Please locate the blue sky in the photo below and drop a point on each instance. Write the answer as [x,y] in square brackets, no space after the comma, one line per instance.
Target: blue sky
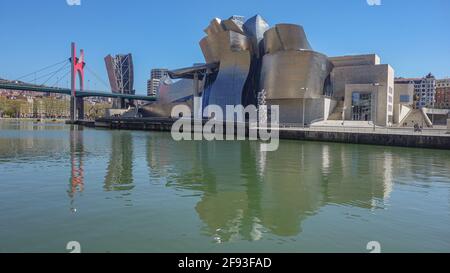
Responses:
[411,35]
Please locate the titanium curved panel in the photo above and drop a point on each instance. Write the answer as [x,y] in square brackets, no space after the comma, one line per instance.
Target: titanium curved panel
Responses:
[255,28]
[177,91]
[170,94]
[228,88]
[294,74]
[215,45]
[214,26]
[285,37]
[232,25]
[161,110]
[235,58]
[208,52]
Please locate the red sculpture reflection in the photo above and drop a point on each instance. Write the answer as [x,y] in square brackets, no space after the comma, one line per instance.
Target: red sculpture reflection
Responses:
[76,160]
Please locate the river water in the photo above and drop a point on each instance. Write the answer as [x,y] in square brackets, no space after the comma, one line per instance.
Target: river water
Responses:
[134,191]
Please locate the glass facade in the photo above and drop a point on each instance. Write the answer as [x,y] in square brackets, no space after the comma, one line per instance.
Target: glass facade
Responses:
[361,106]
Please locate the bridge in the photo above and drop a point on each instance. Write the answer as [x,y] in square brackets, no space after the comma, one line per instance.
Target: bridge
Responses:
[76,66]
[66,91]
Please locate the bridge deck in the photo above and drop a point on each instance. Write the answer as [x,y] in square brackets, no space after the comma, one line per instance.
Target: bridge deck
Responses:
[78,93]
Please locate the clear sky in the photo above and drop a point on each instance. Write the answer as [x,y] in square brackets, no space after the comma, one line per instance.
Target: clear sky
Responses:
[411,35]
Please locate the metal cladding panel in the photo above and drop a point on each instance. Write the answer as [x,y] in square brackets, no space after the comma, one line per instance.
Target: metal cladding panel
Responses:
[228,87]
[216,45]
[213,46]
[170,95]
[161,110]
[255,28]
[208,53]
[285,37]
[234,45]
[215,26]
[232,25]
[237,42]
[294,74]
[233,51]
[175,91]
[189,72]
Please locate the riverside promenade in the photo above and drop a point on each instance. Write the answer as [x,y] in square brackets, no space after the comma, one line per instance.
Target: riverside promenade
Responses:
[434,138]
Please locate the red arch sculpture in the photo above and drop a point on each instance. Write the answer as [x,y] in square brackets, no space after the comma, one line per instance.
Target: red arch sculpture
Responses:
[77,68]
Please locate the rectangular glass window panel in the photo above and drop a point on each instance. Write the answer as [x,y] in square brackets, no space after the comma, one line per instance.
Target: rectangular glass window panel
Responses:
[404,98]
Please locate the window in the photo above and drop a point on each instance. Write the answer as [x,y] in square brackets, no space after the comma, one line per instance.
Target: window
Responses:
[404,98]
[361,106]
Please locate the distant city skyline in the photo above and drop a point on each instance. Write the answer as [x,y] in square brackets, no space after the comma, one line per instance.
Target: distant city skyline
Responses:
[409,35]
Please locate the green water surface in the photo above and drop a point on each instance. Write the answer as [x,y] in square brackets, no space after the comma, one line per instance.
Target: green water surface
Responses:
[133,191]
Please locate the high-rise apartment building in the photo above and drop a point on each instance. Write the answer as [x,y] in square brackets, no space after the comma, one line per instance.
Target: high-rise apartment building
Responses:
[155,78]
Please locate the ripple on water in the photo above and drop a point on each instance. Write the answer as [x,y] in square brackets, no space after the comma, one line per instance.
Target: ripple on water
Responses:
[141,187]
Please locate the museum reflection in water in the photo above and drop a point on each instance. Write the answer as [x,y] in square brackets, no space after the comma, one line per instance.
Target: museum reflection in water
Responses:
[244,192]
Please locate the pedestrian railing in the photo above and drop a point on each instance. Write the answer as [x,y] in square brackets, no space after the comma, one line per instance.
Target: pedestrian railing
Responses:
[367,129]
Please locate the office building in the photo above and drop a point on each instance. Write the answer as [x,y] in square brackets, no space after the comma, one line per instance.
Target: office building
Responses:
[121,77]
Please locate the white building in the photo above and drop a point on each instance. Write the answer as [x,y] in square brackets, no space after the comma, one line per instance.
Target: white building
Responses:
[155,78]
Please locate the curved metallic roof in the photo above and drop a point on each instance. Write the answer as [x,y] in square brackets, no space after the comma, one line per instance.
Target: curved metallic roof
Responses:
[285,37]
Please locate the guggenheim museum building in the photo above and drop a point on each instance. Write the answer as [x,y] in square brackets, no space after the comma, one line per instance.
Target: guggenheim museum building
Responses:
[249,62]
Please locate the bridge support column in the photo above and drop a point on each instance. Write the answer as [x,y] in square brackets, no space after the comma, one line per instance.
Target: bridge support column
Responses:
[72,108]
[80,108]
[76,108]
[77,69]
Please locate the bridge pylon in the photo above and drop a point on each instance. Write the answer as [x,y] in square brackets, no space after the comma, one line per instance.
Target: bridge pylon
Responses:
[77,70]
